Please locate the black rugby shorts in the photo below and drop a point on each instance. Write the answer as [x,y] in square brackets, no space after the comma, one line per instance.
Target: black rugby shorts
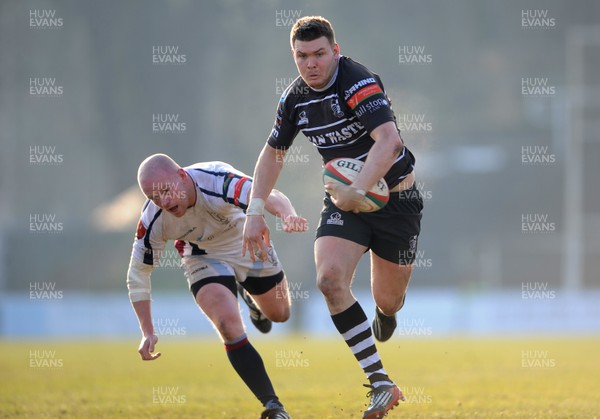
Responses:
[391,233]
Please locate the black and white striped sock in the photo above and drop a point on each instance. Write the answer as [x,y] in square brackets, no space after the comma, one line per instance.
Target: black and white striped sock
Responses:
[356,331]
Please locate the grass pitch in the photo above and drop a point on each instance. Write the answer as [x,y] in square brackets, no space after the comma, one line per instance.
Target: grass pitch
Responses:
[315,378]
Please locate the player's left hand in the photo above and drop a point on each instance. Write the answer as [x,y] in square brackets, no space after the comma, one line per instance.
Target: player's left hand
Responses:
[294,224]
[344,197]
[146,348]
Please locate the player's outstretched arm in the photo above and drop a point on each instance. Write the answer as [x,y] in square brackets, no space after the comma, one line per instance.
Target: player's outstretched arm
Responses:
[149,339]
[138,285]
[280,206]
[256,232]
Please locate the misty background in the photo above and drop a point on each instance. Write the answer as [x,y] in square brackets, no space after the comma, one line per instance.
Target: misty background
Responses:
[498,100]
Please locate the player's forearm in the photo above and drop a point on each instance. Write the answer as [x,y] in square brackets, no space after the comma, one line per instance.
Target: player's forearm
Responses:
[266,172]
[143,312]
[382,155]
[279,205]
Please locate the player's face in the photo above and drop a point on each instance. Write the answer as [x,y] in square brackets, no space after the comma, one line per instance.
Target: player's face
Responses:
[168,193]
[316,61]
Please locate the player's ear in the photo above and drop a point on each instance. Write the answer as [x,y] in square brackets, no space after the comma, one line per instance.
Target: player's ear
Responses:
[181,173]
[336,50]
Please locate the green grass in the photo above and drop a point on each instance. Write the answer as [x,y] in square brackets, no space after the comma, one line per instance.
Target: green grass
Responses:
[314,378]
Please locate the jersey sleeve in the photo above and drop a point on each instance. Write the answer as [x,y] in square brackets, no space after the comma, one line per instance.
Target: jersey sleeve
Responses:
[366,98]
[222,184]
[147,247]
[236,189]
[284,129]
[148,243]
[138,281]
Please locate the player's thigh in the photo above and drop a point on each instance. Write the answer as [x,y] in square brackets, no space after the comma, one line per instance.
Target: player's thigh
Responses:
[389,281]
[220,305]
[271,294]
[393,248]
[336,259]
[342,238]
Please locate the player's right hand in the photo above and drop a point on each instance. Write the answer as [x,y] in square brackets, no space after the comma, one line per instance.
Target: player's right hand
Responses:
[147,347]
[344,197]
[256,237]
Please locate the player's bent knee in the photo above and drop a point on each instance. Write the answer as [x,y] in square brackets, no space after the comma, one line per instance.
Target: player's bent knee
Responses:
[389,304]
[388,310]
[277,313]
[280,316]
[229,333]
[228,326]
[331,286]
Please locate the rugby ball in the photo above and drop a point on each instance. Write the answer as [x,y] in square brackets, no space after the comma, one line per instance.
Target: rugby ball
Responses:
[344,171]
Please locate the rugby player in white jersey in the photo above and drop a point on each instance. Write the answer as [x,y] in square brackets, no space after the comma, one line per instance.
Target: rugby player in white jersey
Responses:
[202,207]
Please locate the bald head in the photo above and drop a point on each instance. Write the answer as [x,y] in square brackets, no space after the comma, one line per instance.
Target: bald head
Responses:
[166,184]
[156,168]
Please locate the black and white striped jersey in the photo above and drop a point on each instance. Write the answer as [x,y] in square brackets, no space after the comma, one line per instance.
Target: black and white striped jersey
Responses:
[339,119]
[214,225]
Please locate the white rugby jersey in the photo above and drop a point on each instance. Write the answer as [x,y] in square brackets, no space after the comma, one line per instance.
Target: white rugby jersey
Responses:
[214,225]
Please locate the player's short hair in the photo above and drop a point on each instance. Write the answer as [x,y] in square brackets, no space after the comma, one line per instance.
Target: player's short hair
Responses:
[309,28]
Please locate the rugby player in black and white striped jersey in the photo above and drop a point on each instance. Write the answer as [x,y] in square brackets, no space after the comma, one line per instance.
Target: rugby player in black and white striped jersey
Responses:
[342,109]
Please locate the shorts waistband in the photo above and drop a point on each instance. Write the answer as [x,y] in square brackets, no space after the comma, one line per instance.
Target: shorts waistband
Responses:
[407,183]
